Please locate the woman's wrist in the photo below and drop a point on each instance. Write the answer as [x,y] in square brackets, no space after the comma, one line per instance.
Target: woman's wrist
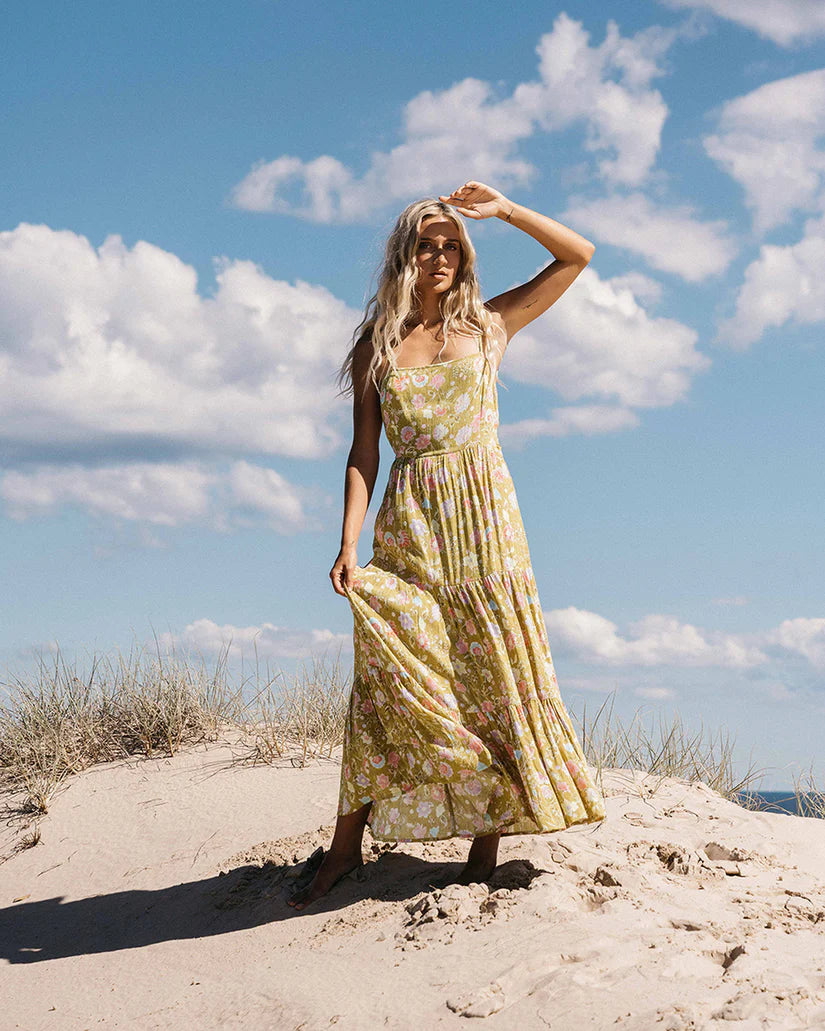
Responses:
[506,210]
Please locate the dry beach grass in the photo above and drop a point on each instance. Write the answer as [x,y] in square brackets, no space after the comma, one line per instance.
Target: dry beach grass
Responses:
[62,719]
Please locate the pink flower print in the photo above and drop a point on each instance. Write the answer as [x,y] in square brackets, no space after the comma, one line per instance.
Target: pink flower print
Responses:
[487,705]
[463,434]
[473,787]
[462,646]
[439,432]
[377,761]
[438,542]
[439,410]
[394,814]
[403,539]
[476,648]
[510,640]
[423,640]
[508,532]
[437,380]
[406,621]
[419,831]
[367,706]
[394,759]
[470,627]
[419,379]
[424,809]
[422,441]
[460,688]
[476,745]
[418,401]
[389,540]
[461,402]
[445,769]
[407,434]
[389,517]
[383,781]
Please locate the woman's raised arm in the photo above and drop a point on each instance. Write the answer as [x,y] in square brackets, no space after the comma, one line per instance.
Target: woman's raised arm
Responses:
[572,252]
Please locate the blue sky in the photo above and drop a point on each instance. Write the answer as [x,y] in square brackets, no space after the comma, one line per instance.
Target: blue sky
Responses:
[194,202]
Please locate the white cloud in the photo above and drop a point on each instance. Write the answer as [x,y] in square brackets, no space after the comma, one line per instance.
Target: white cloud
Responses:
[781,21]
[464,130]
[806,637]
[784,284]
[600,342]
[656,640]
[113,352]
[672,238]
[164,494]
[770,142]
[270,641]
[585,419]
[662,640]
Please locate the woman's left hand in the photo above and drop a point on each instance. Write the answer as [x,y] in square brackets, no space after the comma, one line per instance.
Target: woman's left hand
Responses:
[477,200]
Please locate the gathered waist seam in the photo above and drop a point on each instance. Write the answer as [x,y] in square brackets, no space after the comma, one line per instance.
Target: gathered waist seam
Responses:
[473,445]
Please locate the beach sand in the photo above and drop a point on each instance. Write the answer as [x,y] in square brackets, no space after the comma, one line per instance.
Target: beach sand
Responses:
[156,899]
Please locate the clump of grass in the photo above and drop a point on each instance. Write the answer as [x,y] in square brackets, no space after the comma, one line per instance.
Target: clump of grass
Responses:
[57,722]
[671,751]
[303,720]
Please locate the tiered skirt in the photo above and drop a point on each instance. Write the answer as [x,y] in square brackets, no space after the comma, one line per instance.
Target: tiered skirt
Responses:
[456,726]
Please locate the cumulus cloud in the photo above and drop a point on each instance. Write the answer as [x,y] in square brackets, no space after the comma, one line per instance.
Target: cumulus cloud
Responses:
[112,352]
[771,142]
[662,640]
[805,637]
[466,130]
[564,421]
[165,494]
[782,21]
[672,239]
[783,284]
[270,641]
[601,343]
[656,640]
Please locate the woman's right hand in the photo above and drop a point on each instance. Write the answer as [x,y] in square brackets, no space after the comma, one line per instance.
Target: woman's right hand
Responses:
[344,569]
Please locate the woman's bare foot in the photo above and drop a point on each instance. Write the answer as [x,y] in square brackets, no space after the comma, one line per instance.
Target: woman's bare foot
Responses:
[333,867]
[481,862]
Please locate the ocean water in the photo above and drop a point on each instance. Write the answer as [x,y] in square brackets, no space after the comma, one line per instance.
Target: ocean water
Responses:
[782,802]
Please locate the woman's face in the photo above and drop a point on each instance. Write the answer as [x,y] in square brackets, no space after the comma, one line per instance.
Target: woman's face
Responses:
[438,254]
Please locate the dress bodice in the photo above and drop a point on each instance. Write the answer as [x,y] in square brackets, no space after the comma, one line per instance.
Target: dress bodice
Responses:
[433,409]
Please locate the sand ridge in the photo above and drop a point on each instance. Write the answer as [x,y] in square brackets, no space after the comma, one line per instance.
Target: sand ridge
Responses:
[156,898]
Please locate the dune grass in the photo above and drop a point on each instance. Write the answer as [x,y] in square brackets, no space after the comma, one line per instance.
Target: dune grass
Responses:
[60,720]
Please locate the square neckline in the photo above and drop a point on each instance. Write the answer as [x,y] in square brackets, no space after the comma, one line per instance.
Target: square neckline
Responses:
[431,365]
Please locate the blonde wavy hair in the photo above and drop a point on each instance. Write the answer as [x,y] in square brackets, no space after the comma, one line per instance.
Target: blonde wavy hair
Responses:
[392,310]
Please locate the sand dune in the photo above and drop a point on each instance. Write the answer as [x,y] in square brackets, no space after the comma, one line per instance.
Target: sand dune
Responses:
[156,899]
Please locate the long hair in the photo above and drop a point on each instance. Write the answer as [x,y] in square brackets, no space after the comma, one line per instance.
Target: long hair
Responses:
[393,309]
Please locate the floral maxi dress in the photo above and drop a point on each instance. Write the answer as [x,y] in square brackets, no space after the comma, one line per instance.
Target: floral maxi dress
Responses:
[455,725]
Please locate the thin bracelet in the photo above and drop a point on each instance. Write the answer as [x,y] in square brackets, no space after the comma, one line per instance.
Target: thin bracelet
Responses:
[510,215]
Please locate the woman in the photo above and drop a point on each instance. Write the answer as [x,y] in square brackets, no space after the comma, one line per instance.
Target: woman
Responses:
[456,726]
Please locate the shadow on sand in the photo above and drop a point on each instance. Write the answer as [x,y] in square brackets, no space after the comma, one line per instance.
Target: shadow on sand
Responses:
[245,897]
